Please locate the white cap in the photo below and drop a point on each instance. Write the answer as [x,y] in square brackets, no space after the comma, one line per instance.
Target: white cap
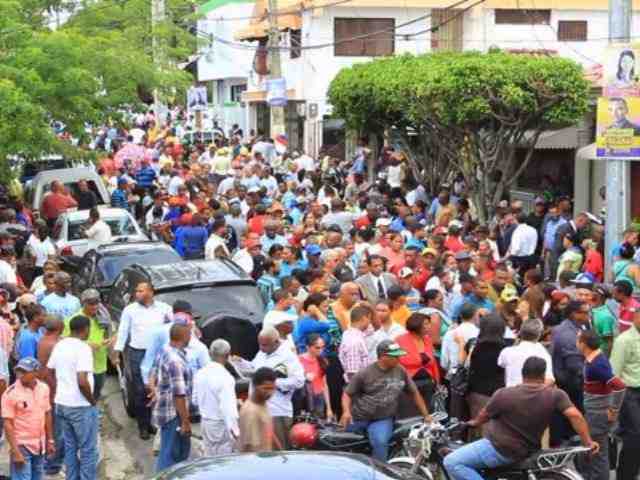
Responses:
[383,222]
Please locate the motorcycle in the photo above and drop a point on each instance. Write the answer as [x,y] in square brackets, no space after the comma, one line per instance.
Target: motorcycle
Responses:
[312,433]
[428,443]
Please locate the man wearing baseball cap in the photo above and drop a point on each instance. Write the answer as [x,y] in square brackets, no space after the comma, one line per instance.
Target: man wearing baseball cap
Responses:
[26,411]
[370,401]
[99,336]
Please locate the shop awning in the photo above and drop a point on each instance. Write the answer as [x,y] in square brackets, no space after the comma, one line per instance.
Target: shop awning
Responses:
[261,95]
[562,139]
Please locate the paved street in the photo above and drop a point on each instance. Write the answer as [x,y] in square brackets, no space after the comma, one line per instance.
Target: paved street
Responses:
[125,456]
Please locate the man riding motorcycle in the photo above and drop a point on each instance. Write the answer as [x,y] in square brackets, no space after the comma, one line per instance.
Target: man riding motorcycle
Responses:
[517,418]
[374,393]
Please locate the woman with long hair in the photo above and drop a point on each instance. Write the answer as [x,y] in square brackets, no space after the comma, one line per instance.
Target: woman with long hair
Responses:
[485,376]
[420,361]
[316,387]
[313,321]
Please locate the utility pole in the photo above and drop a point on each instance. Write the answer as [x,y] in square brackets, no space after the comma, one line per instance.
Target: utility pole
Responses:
[618,185]
[158,15]
[275,68]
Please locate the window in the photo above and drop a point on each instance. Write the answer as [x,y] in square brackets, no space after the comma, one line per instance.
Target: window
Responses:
[506,16]
[377,45]
[236,92]
[295,39]
[572,30]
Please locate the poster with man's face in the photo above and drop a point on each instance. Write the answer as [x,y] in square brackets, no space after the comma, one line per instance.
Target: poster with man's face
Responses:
[618,130]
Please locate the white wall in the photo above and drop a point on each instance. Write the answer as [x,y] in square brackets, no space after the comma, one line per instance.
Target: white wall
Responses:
[225,61]
[319,66]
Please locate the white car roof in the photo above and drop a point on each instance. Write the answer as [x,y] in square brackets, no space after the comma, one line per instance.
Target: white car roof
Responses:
[105,212]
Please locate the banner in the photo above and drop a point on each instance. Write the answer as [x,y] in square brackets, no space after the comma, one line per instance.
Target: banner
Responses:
[618,131]
[622,71]
[197,99]
[618,118]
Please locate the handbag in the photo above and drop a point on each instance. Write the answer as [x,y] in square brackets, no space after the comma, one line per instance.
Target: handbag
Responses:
[459,381]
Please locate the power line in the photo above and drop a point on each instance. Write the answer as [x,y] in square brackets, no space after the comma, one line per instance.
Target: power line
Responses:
[291,11]
[357,37]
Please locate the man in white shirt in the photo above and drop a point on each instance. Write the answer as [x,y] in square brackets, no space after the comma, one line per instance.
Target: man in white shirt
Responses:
[276,355]
[523,245]
[99,231]
[7,269]
[214,393]
[512,358]
[216,245]
[137,324]
[72,363]
[383,329]
[468,329]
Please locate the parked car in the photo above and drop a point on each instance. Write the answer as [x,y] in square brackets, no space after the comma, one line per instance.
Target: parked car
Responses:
[100,266]
[226,304]
[41,185]
[69,239]
[285,466]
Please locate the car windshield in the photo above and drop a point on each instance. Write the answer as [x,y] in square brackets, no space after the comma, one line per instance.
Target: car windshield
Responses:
[111,266]
[208,301]
[120,226]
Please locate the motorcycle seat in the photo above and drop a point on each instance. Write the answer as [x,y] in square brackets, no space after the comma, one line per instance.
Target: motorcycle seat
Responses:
[533,462]
[348,437]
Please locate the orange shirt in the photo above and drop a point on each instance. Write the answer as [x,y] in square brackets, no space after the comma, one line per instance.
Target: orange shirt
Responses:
[401,315]
[28,408]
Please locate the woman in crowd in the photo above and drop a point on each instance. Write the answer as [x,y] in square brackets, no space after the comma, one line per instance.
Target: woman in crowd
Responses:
[316,388]
[313,321]
[555,314]
[420,361]
[485,375]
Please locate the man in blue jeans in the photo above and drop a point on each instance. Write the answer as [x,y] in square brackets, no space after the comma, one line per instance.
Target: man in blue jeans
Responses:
[173,383]
[517,418]
[72,362]
[370,401]
[26,410]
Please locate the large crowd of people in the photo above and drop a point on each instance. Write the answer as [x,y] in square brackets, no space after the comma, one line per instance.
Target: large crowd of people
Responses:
[379,296]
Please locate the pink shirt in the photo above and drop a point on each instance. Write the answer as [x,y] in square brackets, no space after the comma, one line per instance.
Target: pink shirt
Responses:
[353,353]
[28,409]
[6,336]
[312,365]
[625,315]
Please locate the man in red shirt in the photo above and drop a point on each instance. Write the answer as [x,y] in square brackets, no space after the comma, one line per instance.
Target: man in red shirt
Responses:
[55,203]
[622,291]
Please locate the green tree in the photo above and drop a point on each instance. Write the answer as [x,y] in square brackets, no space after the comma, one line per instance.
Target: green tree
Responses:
[470,110]
[87,71]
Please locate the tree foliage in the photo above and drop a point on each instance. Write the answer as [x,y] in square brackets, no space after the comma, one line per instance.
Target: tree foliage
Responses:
[87,70]
[469,110]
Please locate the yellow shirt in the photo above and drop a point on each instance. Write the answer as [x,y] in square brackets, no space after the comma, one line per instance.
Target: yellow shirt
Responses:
[401,315]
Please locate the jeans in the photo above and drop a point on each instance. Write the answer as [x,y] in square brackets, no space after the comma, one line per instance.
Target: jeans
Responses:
[53,464]
[629,464]
[80,426]
[143,412]
[379,433]
[174,447]
[464,463]
[98,383]
[31,469]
